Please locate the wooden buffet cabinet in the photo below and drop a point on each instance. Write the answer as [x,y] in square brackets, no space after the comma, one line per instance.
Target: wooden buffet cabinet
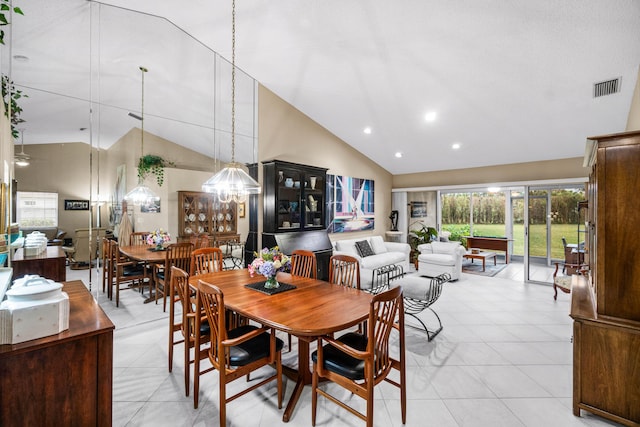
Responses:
[605,303]
[64,379]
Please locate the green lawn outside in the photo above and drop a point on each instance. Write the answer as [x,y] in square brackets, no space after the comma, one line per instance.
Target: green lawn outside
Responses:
[538,237]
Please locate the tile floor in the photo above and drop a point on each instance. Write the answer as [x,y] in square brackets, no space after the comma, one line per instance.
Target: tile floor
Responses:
[504,358]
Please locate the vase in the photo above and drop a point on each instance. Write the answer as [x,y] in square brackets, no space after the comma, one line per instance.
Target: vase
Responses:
[159,247]
[271,283]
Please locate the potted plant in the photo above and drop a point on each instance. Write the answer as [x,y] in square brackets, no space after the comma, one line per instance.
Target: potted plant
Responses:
[154,165]
[419,236]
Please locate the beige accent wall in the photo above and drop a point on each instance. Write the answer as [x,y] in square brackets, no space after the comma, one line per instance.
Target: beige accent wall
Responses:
[633,121]
[515,172]
[287,134]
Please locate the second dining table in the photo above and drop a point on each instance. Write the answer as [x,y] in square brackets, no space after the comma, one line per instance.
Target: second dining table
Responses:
[313,308]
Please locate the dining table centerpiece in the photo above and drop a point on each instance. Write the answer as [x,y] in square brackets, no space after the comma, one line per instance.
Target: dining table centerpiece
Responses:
[158,238]
[269,262]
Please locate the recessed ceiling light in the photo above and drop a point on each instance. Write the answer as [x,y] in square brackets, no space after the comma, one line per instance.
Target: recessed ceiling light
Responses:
[367,130]
[431,116]
[20,58]
[398,154]
[456,146]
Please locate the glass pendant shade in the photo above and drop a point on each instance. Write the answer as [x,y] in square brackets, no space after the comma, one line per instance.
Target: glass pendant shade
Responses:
[140,195]
[232,183]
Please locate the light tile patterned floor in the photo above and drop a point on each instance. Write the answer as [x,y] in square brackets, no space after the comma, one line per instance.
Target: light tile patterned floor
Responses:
[504,358]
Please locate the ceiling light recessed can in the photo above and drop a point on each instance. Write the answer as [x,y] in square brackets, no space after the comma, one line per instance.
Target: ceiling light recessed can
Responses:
[367,130]
[20,58]
[398,154]
[431,116]
[455,145]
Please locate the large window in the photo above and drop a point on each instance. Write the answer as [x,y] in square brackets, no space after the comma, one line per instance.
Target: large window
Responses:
[37,209]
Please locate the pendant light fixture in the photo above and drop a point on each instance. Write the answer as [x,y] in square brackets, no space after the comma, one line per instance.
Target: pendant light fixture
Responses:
[232,182]
[21,158]
[141,194]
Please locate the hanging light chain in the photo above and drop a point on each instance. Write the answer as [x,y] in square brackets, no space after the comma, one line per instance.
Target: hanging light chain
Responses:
[233,81]
[143,70]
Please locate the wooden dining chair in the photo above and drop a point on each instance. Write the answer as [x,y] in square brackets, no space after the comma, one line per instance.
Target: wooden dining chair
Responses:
[125,272]
[304,264]
[178,254]
[344,270]
[206,260]
[358,362]
[200,241]
[138,238]
[182,292]
[107,274]
[236,352]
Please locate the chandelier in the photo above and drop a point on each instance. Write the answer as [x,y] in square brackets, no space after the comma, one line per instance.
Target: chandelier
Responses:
[232,183]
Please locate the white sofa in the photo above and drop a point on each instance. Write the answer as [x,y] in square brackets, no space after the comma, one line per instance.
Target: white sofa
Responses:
[385,253]
[441,257]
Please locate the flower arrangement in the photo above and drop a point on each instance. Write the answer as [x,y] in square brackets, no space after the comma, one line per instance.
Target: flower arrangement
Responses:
[269,262]
[158,237]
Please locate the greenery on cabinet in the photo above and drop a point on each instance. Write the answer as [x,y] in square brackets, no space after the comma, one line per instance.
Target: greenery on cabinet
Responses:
[5,8]
[10,97]
[152,164]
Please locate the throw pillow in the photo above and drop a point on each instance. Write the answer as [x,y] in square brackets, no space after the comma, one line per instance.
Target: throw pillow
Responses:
[364,248]
[377,243]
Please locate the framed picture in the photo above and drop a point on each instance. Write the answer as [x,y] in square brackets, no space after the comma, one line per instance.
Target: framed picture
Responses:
[76,205]
[241,208]
[418,209]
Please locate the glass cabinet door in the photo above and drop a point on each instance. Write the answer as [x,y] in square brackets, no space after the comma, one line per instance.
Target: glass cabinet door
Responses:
[289,192]
[314,201]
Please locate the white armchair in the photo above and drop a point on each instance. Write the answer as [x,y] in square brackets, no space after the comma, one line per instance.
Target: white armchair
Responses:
[437,258]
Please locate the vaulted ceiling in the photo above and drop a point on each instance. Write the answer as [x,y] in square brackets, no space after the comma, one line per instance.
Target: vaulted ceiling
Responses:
[508,81]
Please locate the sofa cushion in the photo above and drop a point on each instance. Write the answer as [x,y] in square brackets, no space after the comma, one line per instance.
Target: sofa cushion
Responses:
[347,246]
[378,246]
[364,248]
[444,247]
[437,259]
[375,261]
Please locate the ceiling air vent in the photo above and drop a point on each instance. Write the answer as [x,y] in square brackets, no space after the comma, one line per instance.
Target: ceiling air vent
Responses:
[606,88]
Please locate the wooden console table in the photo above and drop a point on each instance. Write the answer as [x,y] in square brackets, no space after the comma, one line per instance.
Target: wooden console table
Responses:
[50,264]
[63,379]
[491,244]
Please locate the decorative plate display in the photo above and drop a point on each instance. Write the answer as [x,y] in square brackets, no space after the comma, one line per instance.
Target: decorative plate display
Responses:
[200,229]
[228,227]
[228,217]
[202,217]
[220,216]
[192,217]
[221,229]
[200,206]
[188,230]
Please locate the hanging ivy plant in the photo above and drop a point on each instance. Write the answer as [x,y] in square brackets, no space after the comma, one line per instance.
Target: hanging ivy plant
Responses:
[5,7]
[155,165]
[10,95]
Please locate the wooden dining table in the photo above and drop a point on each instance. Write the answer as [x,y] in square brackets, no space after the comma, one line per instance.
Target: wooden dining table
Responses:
[312,309]
[144,254]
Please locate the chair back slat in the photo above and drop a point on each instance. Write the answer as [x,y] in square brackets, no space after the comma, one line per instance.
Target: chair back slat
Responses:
[344,270]
[382,316]
[211,299]
[304,264]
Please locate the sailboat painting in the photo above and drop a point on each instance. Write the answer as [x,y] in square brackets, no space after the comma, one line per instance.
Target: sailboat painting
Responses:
[350,204]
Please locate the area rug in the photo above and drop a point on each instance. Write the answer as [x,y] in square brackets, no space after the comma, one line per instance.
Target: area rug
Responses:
[476,268]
